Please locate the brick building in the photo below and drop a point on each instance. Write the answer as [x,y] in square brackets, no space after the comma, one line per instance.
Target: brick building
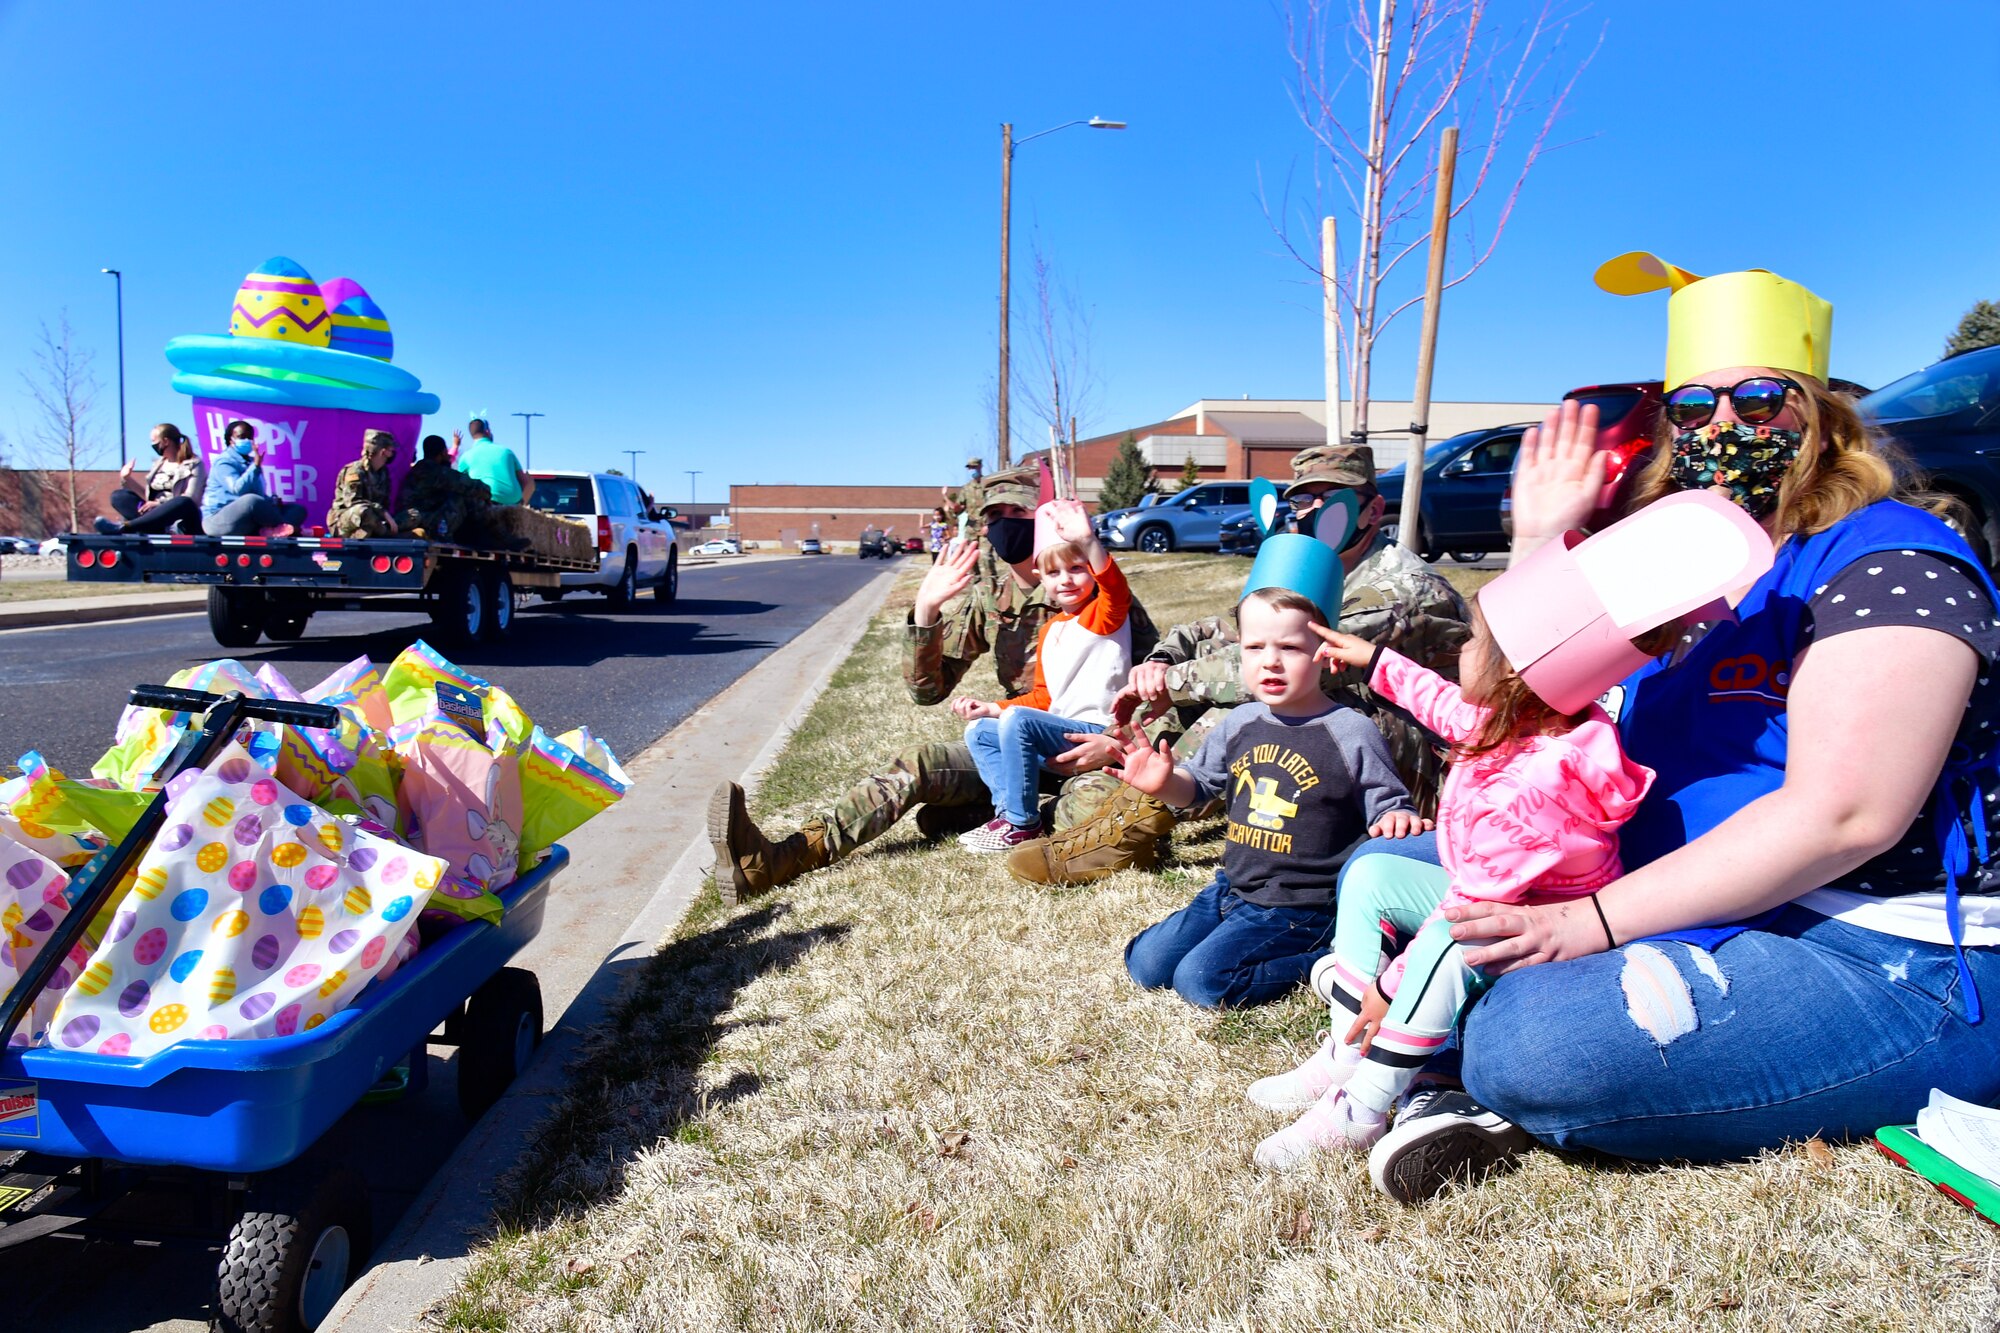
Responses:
[35,502]
[787,514]
[1239,438]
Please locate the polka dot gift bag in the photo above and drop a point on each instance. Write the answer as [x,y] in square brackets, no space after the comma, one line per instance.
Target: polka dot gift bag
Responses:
[253,914]
[33,900]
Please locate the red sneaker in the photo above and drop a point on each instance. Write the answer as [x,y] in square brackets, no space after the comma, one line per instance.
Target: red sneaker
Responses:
[997,835]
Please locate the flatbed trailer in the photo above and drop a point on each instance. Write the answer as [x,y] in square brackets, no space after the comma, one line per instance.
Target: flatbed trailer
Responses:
[269,587]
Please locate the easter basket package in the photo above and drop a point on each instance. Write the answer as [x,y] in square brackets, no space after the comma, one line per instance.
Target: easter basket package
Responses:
[33,901]
[253,914]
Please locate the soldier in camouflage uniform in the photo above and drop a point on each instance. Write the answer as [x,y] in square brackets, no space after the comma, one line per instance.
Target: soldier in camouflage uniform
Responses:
[1389,596]
[436,500]
[361,492]
[1002,612]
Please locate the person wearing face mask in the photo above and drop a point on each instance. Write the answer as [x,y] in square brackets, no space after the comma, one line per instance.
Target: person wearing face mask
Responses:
[165,500]
[1807,937]
[235,503]
[998,605]
[1391,597]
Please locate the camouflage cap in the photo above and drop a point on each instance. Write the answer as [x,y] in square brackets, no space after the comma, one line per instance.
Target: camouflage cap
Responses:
[1333,465]
[377,439]
[974,463]
[1017,486]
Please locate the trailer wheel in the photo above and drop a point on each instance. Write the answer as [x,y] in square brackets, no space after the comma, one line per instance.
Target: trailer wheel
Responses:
[498,1033]
[460,610]
[235,616]
[499,605]
[301,1239]
[669,586]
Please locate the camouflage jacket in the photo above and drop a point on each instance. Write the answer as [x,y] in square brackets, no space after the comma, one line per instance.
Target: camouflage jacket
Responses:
[356,485]
[1392,598]
[995,615]
[431,485]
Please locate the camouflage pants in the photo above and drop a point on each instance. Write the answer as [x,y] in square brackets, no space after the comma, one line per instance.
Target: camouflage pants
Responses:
[939,774]
[358,521]
[452,519]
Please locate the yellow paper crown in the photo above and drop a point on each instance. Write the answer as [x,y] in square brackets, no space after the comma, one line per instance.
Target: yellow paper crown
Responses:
[1751,318]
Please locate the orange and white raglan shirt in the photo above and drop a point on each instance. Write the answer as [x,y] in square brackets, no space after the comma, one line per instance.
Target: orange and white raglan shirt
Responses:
[1082,659]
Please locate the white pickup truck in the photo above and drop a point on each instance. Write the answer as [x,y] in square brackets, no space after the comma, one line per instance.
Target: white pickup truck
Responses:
[635,549]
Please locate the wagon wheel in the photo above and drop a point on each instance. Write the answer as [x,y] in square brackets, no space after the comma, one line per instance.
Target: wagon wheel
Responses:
[302,1238]
[498,1034]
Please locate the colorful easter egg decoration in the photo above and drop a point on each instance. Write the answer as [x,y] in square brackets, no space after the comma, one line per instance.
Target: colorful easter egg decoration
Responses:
[167,1017]
[358,900]
[23,874]
[231,924]
[371,953]
[360,326]
[248,830]
[426,876]
[275,899]
[175,838]
[189,905]
[360,859]
[95,978]
[222,985]
[330,836]
[185,965]
[320,876]
[234,771]
[149,947]
[281,301]
[398,908]
[211,858]
[150,882]
[334,982]
[314,1021]
[394,870]
[243,876]
[132,1000]
[121,925]
[118,1043]
[311,922]
[214,1032]
[218,812]
[256,1006]
[265,953]
[298,815]
[302,975]
[343,941]
[288,855]
[79,1030]
[264,791]
[287,1021]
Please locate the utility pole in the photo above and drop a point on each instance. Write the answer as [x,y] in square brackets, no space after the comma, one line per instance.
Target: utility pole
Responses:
[528,438]
[119,278]
[692,474]
[1329,267]
[633,454]
[1420,401]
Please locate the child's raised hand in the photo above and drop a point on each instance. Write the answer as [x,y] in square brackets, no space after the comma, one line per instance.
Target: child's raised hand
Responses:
[1138,764]
[1400,824]
[971,709]
[1374,1008]
[1072,521]
[1344,649]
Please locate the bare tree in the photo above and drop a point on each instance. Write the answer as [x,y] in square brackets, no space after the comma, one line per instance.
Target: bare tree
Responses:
[1068,383]
[1372,89]
[64,390]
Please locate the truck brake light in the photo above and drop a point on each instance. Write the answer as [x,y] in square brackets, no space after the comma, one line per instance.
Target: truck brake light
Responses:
[603,535]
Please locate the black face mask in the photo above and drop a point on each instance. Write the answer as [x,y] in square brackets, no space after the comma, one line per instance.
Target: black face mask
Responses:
[1013,538]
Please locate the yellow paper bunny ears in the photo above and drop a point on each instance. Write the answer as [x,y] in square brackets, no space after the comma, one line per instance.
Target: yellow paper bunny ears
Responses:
[1749,318]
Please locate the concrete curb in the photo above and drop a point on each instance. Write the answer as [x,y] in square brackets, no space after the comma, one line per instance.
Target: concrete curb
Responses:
[425,1258]
[92,610]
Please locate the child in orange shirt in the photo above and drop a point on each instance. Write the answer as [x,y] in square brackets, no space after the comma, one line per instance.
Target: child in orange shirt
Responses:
[1082,657]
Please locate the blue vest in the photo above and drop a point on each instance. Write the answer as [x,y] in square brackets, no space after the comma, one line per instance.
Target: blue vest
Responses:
[1714,727]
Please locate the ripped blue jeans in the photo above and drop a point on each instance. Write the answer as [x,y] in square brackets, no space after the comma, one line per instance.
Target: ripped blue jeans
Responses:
[1661,1050]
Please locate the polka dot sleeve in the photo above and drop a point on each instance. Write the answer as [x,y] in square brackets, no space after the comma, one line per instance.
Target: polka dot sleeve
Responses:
[1907,588]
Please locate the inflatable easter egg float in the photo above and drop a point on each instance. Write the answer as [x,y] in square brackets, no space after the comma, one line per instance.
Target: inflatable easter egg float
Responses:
[307,365]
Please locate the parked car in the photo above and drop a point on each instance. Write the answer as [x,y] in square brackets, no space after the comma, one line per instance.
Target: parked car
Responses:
[1947,417]
[53,546]
[810,546]
[16,546]
[876,544]
[1241,536]
[634,549]
[1627,415]
[1464,478]
[1187,520]
[717,546]
[913,546]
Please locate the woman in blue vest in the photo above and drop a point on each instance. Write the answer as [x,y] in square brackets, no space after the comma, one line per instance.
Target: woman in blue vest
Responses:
[1808,925]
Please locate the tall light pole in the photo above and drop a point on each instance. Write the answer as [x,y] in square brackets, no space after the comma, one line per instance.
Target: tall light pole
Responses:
[691,476]
[1008,143]
[119,278]
[633,454]
[528,440]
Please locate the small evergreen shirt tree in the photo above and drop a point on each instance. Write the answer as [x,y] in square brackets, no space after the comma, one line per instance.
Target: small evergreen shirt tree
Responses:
[1979,328]
[1127,480]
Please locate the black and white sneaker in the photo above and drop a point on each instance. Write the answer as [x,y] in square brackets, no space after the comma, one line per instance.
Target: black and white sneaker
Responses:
[1441,1138]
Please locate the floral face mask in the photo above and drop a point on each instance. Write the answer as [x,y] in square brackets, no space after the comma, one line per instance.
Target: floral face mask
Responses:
[1749,460]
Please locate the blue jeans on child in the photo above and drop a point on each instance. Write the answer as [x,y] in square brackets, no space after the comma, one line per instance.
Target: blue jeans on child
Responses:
[1009,751]
[1224,952]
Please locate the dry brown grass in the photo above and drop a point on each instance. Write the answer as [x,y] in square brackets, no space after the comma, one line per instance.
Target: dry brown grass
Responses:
[908,1092]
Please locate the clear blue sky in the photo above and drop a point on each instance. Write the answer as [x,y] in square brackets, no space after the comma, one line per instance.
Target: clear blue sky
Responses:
[760,239]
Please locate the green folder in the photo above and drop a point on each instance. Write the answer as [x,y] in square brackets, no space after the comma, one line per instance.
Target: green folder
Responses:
[1901,1144]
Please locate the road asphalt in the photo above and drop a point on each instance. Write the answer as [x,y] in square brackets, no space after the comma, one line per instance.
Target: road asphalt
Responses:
[657,684]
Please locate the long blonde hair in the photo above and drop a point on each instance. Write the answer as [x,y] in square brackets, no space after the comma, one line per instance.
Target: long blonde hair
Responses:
[1844,465]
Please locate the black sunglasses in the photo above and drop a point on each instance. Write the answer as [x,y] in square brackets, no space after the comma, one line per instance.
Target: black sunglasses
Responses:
[1755,401]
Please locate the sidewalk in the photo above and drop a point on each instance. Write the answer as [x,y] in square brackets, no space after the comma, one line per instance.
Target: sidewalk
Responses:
[586,949]
[155,601]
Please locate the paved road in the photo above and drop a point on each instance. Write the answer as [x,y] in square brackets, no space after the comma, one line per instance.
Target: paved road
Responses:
[631,677]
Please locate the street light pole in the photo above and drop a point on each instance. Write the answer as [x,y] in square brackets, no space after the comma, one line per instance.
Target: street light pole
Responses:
[691,476]
[1008,143]
[633,454]
[528,441]
[118,277]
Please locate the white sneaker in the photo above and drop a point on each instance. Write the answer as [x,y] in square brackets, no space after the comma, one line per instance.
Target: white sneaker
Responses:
[1335,1122]
[1442,1138]
[997,835]
[1329,1067]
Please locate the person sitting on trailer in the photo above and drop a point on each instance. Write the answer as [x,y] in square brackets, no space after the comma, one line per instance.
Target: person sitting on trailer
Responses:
[438,501]
[489,461]
[234,502]
[361,493]
[168,499]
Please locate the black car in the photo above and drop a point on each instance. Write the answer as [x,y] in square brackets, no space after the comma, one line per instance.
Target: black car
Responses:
[1947,417]
[1464,478]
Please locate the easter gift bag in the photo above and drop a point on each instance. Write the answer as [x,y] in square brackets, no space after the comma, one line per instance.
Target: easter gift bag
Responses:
[146,737]
[561,788]
[461,801]
[33,901]
[356,686]
[253,914]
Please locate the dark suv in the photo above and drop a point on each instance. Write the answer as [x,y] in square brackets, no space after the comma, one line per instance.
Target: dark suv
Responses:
[1947,417]
[1464,478]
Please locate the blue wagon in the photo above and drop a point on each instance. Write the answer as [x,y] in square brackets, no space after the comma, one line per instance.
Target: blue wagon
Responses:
[79,1131]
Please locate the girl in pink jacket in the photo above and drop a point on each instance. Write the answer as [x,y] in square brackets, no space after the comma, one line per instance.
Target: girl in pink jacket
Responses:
[1529,814]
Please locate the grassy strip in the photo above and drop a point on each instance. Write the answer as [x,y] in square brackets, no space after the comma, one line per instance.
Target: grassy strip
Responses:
[58,590]
[908,1092]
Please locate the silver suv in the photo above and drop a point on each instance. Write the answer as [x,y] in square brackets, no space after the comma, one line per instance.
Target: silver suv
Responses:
[1187,520]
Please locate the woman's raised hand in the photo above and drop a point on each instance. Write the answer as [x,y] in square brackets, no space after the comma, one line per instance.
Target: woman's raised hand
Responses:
[1560,476]
[950,576]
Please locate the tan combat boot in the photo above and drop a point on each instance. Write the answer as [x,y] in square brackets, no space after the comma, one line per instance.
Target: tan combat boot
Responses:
[1124,835]
[746,862]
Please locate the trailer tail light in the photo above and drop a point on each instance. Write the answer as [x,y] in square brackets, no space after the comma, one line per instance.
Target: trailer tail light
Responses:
[243,562]
[222,562]
[107,560]
[264,560]
[380,564]
[86,558]
[404,564]
[603,535]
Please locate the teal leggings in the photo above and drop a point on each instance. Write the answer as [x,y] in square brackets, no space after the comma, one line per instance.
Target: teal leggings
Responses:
[1383,899]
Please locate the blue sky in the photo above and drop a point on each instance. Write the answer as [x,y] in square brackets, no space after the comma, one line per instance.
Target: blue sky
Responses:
[760,239]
